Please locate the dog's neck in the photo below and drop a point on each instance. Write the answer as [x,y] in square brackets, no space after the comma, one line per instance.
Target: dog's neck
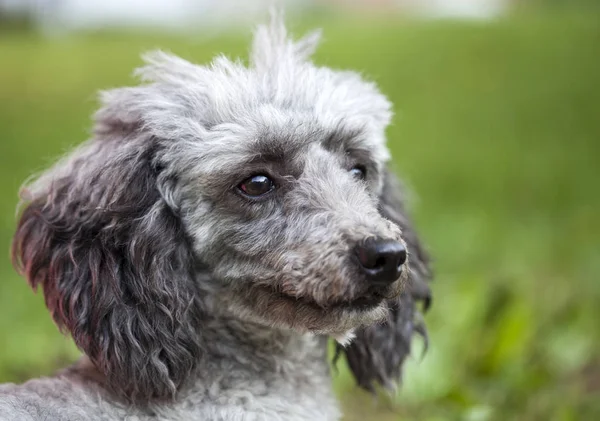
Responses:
[248,344]
[251,366]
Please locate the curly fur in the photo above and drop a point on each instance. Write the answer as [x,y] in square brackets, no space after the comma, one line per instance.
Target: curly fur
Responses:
[191,301]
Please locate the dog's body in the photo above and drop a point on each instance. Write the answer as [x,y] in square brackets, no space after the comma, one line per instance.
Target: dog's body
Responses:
[220,225]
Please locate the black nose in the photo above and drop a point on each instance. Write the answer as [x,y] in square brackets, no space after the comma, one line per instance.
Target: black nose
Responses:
[381,260]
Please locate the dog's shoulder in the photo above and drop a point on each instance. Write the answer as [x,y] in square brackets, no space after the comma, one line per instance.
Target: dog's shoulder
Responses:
[32,401]
[51,398]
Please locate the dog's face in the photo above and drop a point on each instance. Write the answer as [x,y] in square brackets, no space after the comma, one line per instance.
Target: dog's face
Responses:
[270,179]
[284,213]
[277,171]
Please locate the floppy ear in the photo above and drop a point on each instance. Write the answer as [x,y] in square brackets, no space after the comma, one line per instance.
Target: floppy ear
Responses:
[377,353]
[113,260]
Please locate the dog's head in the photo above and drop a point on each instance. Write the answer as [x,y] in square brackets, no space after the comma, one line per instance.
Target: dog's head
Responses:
[270,178]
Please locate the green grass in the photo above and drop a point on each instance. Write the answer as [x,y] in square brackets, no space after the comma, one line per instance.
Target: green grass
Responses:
[497,131]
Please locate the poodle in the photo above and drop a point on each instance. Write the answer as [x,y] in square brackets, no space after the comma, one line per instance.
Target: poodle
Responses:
[221,224]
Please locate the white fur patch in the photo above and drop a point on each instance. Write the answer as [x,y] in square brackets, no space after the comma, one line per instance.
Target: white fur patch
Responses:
[345,338]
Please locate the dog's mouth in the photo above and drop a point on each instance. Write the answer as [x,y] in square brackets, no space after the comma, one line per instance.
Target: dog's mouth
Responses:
[370,300]
[269,305]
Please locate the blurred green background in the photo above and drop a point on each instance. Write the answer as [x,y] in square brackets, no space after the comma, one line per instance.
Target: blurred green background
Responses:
[497,132]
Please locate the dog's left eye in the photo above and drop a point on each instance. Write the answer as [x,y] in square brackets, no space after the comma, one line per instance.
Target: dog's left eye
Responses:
[256,186]
[359,172]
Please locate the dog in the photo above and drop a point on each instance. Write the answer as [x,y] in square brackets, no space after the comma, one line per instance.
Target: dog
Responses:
[220,225]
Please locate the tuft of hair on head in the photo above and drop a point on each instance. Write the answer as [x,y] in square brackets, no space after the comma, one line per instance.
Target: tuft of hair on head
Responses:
[272,49]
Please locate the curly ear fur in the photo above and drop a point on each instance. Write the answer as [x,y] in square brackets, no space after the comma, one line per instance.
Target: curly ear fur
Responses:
[113,261]
[377,353]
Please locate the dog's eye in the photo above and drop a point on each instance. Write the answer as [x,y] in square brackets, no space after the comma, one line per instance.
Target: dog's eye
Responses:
[359,172]
[257,185]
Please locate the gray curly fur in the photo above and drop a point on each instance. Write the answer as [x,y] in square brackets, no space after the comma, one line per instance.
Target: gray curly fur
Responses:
[191,301]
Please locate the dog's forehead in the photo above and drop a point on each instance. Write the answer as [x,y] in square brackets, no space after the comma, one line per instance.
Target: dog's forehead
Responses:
[290,131]
[286,138]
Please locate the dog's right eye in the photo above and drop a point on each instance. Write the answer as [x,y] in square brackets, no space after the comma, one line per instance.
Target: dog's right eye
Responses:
[256,186]
[359,172]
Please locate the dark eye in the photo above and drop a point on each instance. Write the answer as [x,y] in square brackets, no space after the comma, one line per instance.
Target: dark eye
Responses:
[257,185]
[359,172]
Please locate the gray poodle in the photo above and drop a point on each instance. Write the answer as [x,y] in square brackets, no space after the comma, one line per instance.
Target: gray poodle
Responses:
[220,225]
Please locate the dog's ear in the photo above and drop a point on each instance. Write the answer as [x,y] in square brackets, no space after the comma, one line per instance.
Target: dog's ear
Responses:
[377,353]
[113,260]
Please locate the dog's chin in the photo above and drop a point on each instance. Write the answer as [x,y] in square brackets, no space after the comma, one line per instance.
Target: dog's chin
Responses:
[362,303]
[337,318]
